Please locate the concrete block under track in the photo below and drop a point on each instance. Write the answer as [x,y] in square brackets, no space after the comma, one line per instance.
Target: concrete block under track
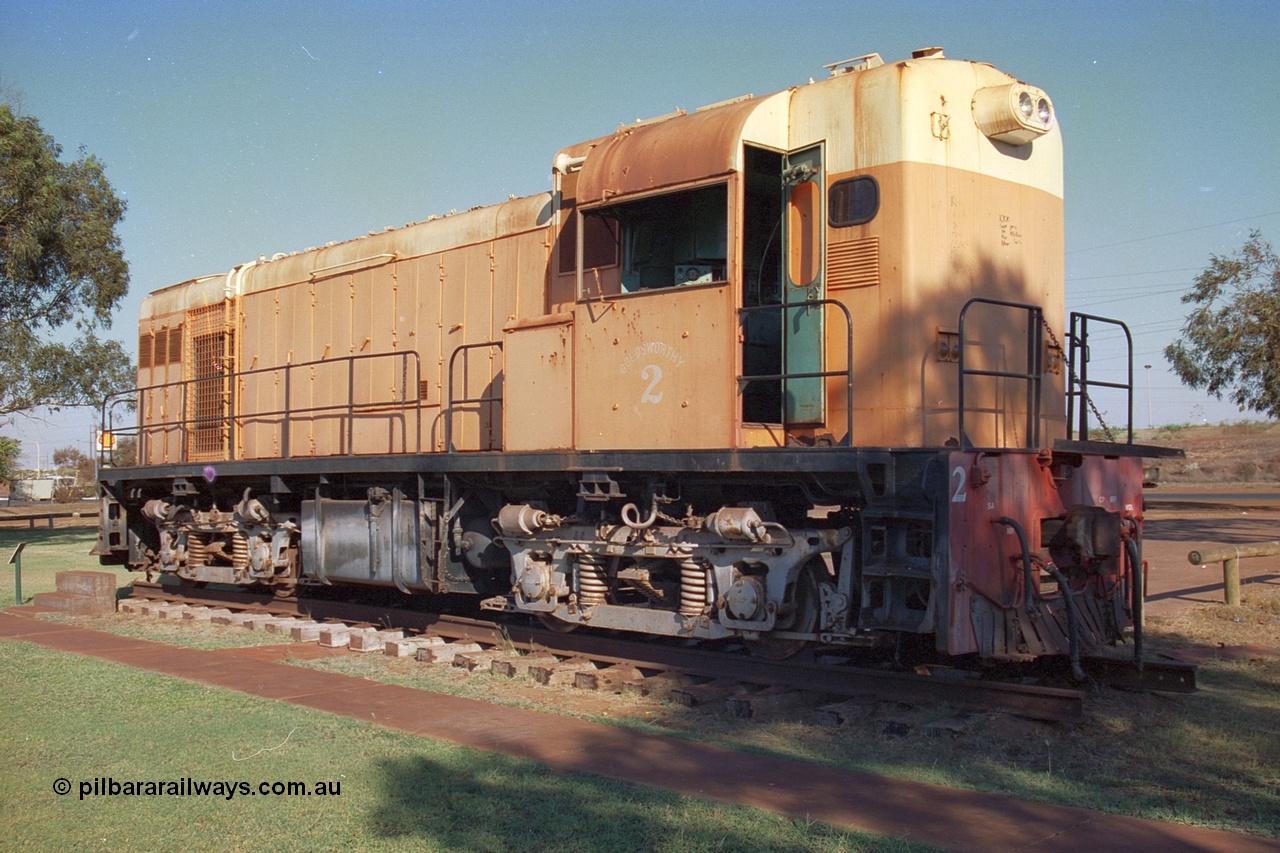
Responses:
[78,605]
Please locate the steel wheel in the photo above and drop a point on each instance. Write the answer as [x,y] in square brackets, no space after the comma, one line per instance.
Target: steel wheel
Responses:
[800,615]
[554,623]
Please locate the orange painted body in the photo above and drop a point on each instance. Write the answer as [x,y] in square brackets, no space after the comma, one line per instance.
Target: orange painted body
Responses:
[639,360]
[786,369]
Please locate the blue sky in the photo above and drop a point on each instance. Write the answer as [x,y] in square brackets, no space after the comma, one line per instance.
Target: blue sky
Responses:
[238,129]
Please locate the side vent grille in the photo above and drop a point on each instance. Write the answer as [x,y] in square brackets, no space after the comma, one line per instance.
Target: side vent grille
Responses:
[161,355]
[163,347]
[175,345]
[854,263]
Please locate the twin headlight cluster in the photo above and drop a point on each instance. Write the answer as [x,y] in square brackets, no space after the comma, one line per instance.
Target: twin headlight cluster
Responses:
[1014,113]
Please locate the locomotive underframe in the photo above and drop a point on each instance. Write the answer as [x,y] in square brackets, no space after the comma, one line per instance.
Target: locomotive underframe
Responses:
[772,546]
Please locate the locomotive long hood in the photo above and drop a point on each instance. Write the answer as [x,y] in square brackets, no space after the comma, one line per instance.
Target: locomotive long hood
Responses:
[651,156]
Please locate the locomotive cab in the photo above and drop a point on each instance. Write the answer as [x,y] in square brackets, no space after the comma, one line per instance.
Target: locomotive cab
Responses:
[792,268]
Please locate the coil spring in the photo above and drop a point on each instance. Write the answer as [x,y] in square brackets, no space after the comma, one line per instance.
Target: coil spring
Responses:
[197,550]
[239,550]
[693,587]
[592,581]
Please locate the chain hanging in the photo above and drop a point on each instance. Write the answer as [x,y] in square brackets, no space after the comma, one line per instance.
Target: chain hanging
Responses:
[1075,380]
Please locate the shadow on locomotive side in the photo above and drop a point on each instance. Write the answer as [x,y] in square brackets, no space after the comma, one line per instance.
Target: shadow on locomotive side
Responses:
[787,369]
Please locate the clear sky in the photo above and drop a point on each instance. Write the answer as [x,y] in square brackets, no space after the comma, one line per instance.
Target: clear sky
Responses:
[239,129]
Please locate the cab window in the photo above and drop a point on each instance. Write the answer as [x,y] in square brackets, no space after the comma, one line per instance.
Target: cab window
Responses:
[670,240]
[853,201]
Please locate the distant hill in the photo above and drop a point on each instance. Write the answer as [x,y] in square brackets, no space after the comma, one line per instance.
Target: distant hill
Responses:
[1227,453]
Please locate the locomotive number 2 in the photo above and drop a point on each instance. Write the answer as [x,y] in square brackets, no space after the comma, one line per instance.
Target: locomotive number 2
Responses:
[958,474]
[654,374]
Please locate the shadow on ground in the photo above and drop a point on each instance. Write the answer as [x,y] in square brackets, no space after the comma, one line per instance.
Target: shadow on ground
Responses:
[1215,529]
[481,802]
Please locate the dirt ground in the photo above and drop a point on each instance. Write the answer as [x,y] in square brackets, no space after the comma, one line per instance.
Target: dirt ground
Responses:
[1225,492]
[1175,528]
[1243,453]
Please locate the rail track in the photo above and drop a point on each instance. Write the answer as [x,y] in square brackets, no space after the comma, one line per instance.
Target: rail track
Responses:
[691,675]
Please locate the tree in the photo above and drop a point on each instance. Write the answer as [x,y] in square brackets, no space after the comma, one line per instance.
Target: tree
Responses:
[125,453]
[60,264]
[1231,343]
[9,449]
[79,463]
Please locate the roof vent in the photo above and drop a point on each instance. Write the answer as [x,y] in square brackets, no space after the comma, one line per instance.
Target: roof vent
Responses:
[858,63]
[927,53]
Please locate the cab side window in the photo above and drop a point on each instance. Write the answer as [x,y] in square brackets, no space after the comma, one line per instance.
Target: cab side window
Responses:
[670,240]
[853,201]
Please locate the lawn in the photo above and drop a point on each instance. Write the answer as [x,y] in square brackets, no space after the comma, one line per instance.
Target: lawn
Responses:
[48,552]
[1210,758]
[79,720]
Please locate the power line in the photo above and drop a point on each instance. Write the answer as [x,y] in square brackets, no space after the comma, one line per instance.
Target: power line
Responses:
[1172,233]
[1127,274]
[1173,289]
[1150,287]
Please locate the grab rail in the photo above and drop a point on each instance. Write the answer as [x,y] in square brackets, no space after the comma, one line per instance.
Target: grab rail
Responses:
[784,377]
[230,420]
[1032,374]
[1080,383]
[450,402]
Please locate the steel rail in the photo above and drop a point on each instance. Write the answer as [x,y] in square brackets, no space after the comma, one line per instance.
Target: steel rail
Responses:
[836,680]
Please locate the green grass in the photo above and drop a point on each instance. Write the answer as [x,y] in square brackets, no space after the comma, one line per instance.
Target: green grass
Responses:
[80,719]
[48,552]
[1210,758]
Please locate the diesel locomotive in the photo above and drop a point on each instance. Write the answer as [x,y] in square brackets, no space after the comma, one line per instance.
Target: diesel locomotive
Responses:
[786,370]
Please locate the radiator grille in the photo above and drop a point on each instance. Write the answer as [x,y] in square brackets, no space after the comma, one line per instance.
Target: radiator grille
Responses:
[211,361]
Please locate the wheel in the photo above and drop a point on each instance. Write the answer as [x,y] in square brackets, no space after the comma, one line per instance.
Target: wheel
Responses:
[556,624]
[799,615]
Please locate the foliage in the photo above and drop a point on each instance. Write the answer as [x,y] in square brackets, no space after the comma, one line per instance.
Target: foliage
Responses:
[75,460]
[1230,341]
[123,454]
[60,265]
[9,449]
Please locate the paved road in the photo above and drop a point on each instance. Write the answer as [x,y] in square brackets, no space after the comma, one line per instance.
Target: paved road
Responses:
[1183,521]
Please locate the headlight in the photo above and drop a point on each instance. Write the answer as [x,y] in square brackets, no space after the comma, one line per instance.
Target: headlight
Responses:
[1024,105]
[1014,113]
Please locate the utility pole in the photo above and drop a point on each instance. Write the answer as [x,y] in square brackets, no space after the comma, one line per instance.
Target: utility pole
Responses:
[1149,423]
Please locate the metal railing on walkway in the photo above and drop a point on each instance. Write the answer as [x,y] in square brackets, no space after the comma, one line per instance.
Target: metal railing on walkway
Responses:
[205,435]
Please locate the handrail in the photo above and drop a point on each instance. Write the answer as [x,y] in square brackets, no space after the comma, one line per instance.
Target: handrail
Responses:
[847,373]
[231,419]
[1032,375]
[1230,557]
[1079,342]
[450,401]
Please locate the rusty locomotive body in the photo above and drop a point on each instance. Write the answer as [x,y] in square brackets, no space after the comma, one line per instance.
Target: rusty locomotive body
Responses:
[786,369]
